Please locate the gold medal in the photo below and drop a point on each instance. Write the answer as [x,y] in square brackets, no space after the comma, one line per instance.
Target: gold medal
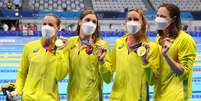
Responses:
[97,51]
[141,51]
[59,43]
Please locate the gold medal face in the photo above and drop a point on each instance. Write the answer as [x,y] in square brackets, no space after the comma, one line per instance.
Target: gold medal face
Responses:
[59,43]
[141,51]
[97,51]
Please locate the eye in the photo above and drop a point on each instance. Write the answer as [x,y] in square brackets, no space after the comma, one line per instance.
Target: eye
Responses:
[163,16]
[50,24]
[94,21]
[135,19]
[87,20]
[129,19]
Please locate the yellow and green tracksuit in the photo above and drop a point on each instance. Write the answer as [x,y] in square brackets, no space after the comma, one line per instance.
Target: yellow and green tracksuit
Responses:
[86,74]
[39,72]
[171,86]
[131,76]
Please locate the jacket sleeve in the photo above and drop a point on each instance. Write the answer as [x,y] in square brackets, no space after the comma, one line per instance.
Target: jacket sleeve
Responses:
[22,70]
[186,56]
[62,63]
[113,57]
[106,68]
[152,68]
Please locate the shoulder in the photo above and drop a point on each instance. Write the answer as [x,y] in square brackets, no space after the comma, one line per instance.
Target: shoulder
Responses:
[71,43]
[154,47]
[153,44]
[32,44]
[185,38]
[101,41]
[74,38]
[121,40]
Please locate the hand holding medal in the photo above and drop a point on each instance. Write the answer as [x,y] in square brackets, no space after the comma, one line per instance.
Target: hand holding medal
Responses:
[143,51]
[60,43]
[165,43]
[100,52]
[94,49]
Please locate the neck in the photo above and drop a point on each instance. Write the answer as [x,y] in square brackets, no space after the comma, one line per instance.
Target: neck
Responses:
[133,38]
[48,42]
[89,37]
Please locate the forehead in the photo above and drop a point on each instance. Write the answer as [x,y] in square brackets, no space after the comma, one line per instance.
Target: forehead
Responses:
[133,14]
[50,19]
[91,16]
[163,11]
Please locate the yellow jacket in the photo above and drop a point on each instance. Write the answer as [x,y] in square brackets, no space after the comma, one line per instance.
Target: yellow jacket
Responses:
[86,74]
[39,72]
[132,77]
[173,87]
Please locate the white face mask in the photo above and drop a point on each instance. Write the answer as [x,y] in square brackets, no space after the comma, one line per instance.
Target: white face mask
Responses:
[88,28]
[47,31]
[133,27]
[161,23]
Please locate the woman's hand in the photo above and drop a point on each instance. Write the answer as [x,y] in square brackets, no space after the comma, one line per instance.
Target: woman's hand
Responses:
[100,52]
[60,43]
[101,58]
[166,44]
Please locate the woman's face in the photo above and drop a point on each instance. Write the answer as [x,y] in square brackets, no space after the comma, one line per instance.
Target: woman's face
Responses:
[88,24]
[51,21]
[88,18]
[134,16]
[164,13]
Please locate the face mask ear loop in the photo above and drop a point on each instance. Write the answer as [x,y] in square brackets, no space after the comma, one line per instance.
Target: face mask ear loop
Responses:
[172,20]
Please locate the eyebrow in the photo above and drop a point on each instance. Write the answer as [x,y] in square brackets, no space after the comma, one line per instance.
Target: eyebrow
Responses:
[161,15]
[132,17]
[90,19]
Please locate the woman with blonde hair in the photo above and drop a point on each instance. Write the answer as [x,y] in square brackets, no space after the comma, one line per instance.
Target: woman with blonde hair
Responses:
[135,61]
